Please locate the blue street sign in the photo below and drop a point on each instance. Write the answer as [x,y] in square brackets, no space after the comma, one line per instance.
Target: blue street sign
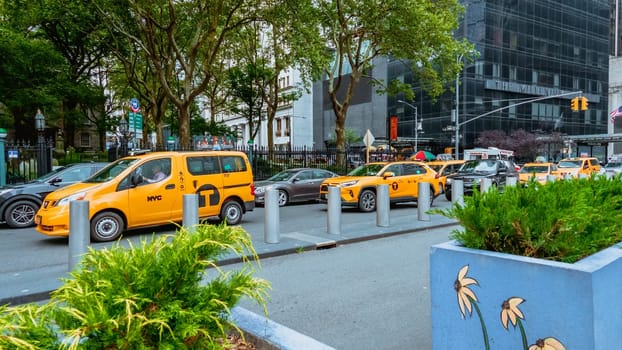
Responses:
[134,104]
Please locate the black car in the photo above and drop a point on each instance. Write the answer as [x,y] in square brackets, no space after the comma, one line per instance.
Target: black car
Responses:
[19,203]
[473,171]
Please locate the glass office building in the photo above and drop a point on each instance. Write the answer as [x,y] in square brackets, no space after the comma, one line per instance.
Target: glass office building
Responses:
[529,49]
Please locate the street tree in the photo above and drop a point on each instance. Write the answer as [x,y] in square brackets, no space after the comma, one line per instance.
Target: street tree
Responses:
[76,32]
[180,37]
[416,31]
[32,75]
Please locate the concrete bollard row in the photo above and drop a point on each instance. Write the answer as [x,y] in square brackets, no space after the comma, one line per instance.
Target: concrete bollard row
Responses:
[334,210]
[272,217]
[423,201]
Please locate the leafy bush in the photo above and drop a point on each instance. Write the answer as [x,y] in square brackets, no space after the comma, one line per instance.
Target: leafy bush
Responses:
[153,296]
[563,220]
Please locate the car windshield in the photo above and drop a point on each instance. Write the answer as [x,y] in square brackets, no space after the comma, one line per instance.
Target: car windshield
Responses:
[50,175]
[570,164]
[283,175]
[367,170]
[478,167]
[534,169]
[111,171]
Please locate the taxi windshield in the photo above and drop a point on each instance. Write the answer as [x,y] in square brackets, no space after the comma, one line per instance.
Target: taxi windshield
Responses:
[570,164]
[534,169]
[112,170]
[367,170]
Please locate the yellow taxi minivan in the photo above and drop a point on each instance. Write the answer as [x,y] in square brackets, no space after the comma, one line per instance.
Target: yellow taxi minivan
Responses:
[147,190]
[578,166]
[358,188]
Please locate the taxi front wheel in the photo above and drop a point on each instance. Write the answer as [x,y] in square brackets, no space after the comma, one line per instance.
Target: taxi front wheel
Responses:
[106,226]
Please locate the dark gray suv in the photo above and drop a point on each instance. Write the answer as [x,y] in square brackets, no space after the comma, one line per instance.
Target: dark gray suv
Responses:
[19,203]
[473,171]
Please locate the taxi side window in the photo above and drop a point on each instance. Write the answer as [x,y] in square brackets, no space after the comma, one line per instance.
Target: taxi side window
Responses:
[396,169]
[413,169]
[233,164]
[203,165]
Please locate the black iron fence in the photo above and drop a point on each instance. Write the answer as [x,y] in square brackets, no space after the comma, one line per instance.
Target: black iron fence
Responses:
[21,159]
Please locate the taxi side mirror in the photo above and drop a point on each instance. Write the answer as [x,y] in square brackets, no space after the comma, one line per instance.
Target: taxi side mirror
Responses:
[388,174]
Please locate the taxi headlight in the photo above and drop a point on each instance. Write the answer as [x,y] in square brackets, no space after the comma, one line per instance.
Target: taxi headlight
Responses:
[74,197]
[347,184]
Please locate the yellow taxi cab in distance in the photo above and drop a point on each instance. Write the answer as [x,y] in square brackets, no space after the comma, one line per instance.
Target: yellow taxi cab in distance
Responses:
[358,188]
[444,168]
[578,166]
[147,190]
[539,171]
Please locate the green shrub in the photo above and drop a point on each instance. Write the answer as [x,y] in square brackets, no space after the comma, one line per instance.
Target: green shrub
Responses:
[167,293]
[563,220]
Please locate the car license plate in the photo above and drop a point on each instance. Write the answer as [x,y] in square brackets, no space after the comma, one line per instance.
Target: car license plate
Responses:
[38,219]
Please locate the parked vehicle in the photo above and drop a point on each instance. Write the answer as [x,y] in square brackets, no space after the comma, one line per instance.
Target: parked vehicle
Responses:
[613,167]
[127,194]
[444,168]
[578,166]
[473,172]
[539,171]
[19,203]
[358,188]
[293,185]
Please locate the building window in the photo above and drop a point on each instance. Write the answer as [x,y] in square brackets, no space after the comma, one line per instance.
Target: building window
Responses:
[279,127]
[85,139]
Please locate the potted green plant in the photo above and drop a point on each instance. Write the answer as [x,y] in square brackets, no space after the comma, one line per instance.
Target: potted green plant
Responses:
[535,267]
[166,293]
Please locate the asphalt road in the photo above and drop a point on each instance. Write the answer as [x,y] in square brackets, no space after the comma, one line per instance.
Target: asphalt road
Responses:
[368,295]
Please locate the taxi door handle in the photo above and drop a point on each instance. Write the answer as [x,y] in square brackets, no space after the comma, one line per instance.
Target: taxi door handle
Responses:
[170,187]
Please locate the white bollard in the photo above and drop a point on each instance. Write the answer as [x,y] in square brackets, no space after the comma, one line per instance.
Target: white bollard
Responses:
[383,205]
[334,210]
[583,176]
[567,176]
[457,192]
[511,181]
[79,231]
[423,201]
[551,178]
[272,217]
[485,185]
[190,211]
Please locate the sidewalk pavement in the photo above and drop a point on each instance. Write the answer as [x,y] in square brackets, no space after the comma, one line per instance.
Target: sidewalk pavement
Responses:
[35,285]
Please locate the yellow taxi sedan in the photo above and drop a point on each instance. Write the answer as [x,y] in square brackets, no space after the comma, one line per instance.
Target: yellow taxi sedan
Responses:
[539,171]
[358,188]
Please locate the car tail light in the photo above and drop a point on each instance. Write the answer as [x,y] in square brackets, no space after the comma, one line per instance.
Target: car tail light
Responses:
[252,188]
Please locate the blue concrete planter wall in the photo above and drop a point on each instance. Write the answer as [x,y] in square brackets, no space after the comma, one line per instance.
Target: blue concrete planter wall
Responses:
[543,304]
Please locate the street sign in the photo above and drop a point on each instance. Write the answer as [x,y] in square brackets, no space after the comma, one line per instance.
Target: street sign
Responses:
[170,139]
[134,105]
[368,139]
[13,154]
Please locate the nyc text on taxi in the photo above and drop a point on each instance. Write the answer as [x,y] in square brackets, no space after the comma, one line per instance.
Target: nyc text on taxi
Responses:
[124,196]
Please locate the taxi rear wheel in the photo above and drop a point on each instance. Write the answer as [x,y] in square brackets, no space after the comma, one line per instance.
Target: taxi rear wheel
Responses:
[367,201]
[231,212]
[106,226]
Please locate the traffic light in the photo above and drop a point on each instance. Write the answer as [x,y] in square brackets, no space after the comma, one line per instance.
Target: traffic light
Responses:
[584,103]
[574,104]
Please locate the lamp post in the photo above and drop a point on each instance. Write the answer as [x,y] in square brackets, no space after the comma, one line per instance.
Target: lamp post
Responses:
[3,135]
[416,123]
[123,129]
[41,153]
[457,119]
